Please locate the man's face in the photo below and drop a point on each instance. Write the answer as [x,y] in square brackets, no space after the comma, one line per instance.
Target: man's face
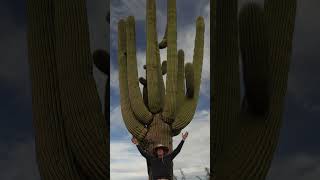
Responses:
[160,152]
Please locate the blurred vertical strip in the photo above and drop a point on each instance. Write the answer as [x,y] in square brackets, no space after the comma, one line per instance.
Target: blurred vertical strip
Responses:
[71,131]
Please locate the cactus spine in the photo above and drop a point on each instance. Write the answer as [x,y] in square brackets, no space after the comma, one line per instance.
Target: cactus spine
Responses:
[161,112]
[244,137]
[70,130]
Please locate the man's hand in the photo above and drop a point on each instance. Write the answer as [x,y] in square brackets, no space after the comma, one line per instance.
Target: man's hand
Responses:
[134,141]
[185,135]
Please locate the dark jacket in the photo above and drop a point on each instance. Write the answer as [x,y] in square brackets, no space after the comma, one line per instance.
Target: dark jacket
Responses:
[161,167]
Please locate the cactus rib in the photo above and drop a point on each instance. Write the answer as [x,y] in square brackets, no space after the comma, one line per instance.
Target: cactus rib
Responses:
[180,81]
[132,124]
[172,64]
[186,113]
[153,66]
[244,140]
[138,107]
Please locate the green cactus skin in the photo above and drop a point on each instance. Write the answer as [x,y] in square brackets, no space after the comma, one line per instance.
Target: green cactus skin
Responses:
[137,105]
[171,108]
[70,129]
[136,128]
[153,68]
[244,137]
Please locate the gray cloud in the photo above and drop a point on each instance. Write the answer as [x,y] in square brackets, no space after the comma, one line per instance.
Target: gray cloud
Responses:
[194,157]
[296,167]
[305,61]
[13,65]
[19,161]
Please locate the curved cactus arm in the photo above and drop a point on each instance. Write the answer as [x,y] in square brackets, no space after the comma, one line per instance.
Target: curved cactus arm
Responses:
[280,17]
[86,128]
[189,73]
[169,110]
[54,158]
[153,67]
[254,51]
[139,109]
[186,113]
[100,59]
[257,141]
[225,74]
[133,125]
[163,43]
[181,85]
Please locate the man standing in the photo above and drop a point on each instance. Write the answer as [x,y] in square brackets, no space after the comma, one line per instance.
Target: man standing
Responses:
[161,161]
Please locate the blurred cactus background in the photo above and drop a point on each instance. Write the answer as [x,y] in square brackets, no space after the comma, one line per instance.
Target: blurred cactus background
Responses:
[71,131]
[245,134]
[297,156]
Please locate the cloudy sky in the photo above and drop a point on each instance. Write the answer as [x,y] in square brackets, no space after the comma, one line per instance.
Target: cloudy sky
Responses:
[194,157]
[298,154]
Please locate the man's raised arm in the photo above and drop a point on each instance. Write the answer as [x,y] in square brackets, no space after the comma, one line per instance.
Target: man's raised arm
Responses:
[178,148]
[142,152]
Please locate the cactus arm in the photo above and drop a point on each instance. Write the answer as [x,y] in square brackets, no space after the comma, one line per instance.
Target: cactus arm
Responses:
[280,17]
[252,32]
[257,136]
[100,59]
[186,113]
[139,109]
[54,158]
[176,132]
[133,125]
[86,128]
[169,110]
[225,74]
[180,80]
[254,51]
[160,71]
[153,67]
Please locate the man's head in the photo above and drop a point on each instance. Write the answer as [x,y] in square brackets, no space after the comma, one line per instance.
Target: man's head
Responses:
[160,150]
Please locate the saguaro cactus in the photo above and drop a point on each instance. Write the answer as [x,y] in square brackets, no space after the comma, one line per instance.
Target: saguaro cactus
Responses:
[244,136]
[162,112]
[70,130]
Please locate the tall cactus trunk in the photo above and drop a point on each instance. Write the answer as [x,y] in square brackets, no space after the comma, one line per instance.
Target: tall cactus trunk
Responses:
[160,113]
[159,132]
